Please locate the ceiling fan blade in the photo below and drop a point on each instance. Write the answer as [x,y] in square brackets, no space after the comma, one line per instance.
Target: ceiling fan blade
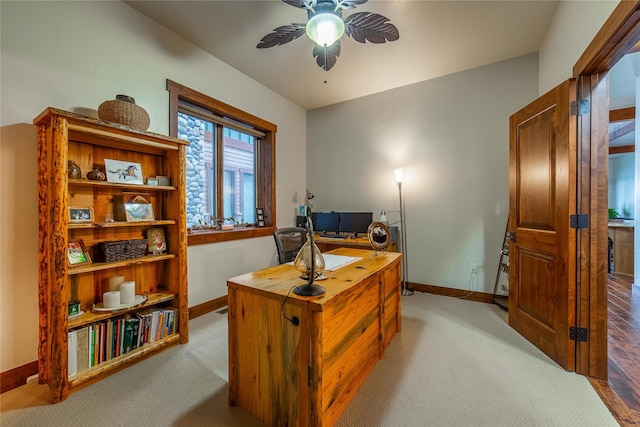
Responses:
[302,4]
[282,35]
[326,57]
[370,27]
[348,4]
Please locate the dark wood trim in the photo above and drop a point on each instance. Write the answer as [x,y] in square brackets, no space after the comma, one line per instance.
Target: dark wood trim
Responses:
[622,149]
[622,114]
[618,35]
[615,39]
[592,242]
[215,236]
[207,307]
[17,376]
[452,292]
[266,157]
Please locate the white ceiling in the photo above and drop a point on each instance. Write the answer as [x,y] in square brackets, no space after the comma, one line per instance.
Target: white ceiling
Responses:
[436,38]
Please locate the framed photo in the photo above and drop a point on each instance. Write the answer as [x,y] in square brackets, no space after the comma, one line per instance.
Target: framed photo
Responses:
[79,215]
[156,241]
[153,181]
[123,172]
[260,223]
[77,253]
[137,207]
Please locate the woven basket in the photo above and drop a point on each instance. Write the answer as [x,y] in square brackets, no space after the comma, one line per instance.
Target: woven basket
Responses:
[123,110]
[123,249]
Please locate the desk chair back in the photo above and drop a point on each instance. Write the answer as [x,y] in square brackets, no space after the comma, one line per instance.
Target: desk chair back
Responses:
[289,240]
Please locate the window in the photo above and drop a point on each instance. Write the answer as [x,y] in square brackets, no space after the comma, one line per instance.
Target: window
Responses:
[229,164]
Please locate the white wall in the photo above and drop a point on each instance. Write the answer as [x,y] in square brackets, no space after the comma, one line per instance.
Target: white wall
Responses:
[574,25]
[621,183]
[74,55]
[451,136]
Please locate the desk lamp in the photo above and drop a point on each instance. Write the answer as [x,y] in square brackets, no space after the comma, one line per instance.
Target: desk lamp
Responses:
[309,260]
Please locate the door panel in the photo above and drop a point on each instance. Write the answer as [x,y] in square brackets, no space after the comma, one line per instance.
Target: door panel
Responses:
[542,187]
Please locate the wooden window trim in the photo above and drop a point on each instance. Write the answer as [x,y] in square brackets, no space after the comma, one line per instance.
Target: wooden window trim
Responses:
[266,157]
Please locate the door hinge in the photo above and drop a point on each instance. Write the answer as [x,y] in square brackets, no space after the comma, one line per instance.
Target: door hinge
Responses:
[579,221]
[580,107]
[578,334]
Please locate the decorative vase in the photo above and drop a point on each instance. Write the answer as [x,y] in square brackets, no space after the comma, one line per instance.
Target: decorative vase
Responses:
[96,174]
[123,110]
[73,170]
[302,263]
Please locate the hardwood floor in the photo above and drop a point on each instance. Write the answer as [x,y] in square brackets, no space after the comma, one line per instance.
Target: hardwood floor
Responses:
[621,393]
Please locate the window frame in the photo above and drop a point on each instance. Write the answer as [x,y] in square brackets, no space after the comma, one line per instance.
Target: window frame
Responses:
[265,167]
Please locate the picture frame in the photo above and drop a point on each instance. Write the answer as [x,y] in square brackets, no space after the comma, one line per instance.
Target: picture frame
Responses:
[123,172]
[260,217]
[80,215]
[77,253]
[137,207]
[156,241]
[153,182]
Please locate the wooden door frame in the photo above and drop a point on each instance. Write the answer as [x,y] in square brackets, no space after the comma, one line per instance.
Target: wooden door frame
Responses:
[616,37]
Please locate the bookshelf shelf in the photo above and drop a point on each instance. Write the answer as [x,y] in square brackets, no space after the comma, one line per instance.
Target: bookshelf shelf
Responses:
[117,224]
[116,364]
[97,266]
[93,317]
[162,278]
[134,187]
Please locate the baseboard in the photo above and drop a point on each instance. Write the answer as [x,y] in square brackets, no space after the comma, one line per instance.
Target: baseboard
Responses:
[452,292]
[207,307]
[17,376]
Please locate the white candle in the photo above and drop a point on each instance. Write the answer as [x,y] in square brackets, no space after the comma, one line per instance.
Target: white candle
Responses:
[111,299]
[114,282]
[127,293]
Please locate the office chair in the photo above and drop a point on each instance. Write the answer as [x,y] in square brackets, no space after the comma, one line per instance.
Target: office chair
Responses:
[289,240]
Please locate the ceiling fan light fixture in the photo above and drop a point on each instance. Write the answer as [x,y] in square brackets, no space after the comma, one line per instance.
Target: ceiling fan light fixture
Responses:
[325,28]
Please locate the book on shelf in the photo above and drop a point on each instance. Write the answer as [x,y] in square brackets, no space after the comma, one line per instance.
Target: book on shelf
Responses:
[135,324]
[83,349]
[102,341]
[127,340]
[72,348]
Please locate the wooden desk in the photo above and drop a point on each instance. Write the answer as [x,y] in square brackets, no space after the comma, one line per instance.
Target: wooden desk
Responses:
[326,244]
[305,375]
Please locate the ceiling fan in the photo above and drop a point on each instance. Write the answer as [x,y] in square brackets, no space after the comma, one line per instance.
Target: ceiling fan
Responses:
[325,27]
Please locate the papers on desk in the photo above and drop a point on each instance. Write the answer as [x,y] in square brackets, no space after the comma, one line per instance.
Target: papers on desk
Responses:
[335,262]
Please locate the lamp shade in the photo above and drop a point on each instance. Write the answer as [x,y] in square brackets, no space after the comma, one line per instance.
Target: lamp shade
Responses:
[399,175]
[325,28]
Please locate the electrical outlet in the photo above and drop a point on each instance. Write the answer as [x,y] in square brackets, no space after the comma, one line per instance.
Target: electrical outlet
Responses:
[474,267]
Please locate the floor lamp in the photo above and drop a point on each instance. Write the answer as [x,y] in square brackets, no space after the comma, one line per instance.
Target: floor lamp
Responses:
[403,230]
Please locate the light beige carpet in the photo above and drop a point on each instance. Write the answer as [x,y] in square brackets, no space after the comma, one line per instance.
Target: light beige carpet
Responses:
[456,363]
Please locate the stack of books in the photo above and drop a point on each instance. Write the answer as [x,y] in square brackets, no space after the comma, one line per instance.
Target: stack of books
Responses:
[102,341]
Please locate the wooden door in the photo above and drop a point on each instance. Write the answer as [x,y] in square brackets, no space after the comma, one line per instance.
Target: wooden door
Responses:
[542,251]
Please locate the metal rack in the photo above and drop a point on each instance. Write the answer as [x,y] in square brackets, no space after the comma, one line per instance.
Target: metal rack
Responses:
[502,299]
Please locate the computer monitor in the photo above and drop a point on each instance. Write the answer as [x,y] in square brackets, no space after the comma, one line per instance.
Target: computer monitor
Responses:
[355,222]
[326,222]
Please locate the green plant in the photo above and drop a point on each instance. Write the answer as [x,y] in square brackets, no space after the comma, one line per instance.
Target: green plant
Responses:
[613,213]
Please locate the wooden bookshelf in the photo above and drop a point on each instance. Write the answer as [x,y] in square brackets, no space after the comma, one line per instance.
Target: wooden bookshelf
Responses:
[160,278]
